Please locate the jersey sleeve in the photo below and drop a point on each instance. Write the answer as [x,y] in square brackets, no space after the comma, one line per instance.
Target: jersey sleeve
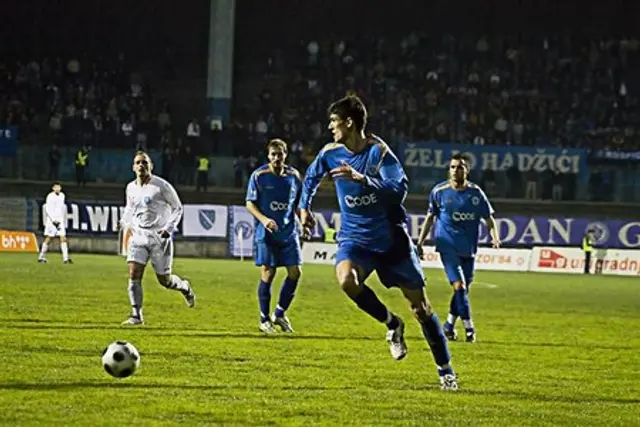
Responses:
[127,215]
[252,189]
[434,204]
[173,200]
[316,171]
[392,182]
[484,207]
[49,207]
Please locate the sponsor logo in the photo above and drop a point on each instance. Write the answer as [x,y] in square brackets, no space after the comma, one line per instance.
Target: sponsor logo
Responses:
[463,216]
[600,232]
[358,201]
[243,229]
[552,259]
[278,206]
[18,241]
[207,218]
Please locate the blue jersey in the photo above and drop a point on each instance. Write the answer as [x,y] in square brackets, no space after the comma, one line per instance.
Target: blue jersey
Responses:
[277,197]
[368,210]
[458,214]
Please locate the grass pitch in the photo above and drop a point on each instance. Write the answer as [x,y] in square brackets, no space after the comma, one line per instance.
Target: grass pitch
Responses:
[552,350]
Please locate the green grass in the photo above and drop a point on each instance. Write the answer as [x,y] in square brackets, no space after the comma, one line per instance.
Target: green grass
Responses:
[552,350]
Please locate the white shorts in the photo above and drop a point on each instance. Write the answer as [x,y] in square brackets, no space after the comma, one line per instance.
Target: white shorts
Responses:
[148,245]
[51,230]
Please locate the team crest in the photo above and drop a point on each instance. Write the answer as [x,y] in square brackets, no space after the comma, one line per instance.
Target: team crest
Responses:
[371,170]
[207,218]
[147,200]
[475,200]
[448,200]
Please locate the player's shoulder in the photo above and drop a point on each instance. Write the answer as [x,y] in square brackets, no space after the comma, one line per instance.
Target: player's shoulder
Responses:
[440,187]
[290,170]
[378,144]
[160,182]
[475,188]
[330,147]
[261,170]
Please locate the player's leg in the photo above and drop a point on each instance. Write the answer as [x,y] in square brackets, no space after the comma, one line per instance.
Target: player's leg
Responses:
[353,266]
[433,333]
[291,257]
[64,246]
[265,259]
[459,305]
[467,265]
[42,257]
[162,262]
[136,271]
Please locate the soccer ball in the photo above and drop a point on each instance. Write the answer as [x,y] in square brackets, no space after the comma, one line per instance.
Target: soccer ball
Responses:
[120,359]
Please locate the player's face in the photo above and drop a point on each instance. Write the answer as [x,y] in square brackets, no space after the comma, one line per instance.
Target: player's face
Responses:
[57,188]
[458,170]
[276,156]
[142,165]
[339,128]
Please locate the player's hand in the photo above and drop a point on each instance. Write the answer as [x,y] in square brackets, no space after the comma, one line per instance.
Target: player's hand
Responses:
[270,225]
[347,172]
[496,244]
[306,233]
[164,234]
[307,219]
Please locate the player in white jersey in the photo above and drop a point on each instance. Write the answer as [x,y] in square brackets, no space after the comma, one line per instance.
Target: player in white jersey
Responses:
[152,214]
[55,220]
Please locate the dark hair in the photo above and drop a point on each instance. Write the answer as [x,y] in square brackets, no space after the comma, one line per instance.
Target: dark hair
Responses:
[277,143]
[56,183]
[461,158]
[350,107]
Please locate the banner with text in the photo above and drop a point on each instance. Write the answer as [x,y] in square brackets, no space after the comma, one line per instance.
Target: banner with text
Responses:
[96,218]
[486,259]
[241,229]
[205,221]
[529,231]
[572,260]
[426,162]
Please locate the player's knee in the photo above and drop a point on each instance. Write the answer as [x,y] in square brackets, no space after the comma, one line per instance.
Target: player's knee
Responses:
[457,285]
[135,271]
[267,274]
[348,281]
[294,273]
[422,311]
[164,280]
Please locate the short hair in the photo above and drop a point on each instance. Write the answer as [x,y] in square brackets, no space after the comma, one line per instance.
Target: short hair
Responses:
[56,183]
[463,158]
[141,153]
[277,143]
[351,106]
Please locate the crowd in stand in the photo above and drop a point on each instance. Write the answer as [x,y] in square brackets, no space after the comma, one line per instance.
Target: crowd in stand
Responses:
[554,91]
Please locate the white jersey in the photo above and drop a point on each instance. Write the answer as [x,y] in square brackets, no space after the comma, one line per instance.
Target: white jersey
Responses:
[55,208]
[152,206]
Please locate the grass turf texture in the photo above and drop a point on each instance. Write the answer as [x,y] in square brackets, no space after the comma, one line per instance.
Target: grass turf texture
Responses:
[552,350]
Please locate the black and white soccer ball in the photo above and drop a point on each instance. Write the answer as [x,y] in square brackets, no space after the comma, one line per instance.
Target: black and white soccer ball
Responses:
[120,359]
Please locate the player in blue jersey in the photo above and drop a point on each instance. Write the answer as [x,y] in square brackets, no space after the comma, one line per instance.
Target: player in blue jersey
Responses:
[272,197]
[371,187]
[457,206]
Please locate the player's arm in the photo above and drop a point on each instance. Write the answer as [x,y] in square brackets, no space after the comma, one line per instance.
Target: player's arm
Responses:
[253,195]
[315,172]
[432,215]
[127,215]
[487,213]
[392,183]
[172,198]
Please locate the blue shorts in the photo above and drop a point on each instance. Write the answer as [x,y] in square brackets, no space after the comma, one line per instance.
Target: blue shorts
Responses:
[458,268]
[398,266]
[278,254]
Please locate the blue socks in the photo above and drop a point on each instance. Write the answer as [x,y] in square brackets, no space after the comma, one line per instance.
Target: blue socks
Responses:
[463,307]
[264,298]
[434,335]
[287,292]
[368,302]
